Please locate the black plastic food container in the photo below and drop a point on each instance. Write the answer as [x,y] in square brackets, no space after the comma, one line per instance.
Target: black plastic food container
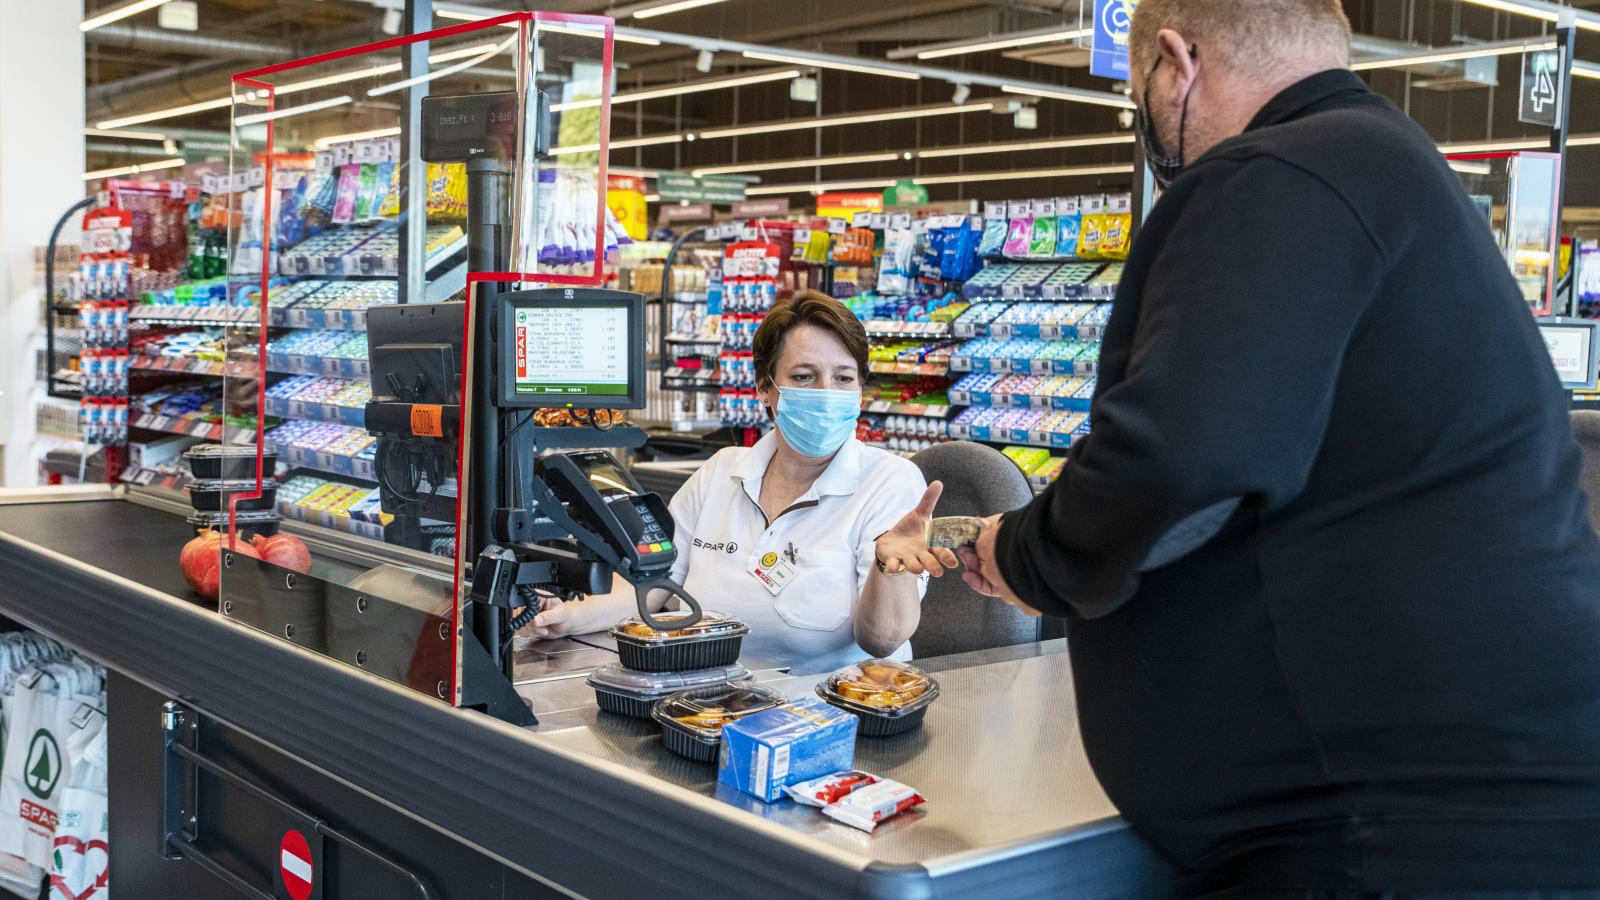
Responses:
[262,523]
[888,696]
[217,462]
[212,496]
[629,692]
[712,642]
[718,704]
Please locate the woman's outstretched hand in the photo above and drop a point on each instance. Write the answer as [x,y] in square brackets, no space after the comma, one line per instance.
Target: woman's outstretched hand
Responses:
[904,548]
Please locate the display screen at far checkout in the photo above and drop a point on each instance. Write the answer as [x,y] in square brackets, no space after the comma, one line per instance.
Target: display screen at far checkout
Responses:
[566,353]
[1572,350]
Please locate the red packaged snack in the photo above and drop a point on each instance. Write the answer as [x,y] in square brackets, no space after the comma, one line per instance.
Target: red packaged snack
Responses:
[828,789]
[866,807]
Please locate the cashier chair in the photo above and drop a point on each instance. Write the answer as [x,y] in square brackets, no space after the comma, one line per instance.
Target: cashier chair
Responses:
[1586,428]
[978,481]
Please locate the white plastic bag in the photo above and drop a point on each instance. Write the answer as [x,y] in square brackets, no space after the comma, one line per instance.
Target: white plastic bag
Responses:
[45,713]
[31,778]
[80,866]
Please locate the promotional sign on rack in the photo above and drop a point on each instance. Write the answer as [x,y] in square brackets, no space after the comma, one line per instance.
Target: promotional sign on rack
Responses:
[625,197]
[1112,19]
[844,205]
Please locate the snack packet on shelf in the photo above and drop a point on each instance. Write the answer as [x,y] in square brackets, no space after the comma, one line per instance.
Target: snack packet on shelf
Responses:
[865,807]
[820,792]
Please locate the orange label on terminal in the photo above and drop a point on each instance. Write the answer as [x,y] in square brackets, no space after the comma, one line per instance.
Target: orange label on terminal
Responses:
[427,420]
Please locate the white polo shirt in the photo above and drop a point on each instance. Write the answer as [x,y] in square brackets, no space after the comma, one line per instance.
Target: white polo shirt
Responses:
[721,533]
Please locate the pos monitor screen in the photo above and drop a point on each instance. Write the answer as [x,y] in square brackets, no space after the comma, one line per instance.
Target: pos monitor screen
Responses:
[1574,346]
[572,347]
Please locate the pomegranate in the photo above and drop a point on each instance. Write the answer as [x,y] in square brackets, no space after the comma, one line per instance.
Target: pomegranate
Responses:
[284,550]
[192,551]
[201,561]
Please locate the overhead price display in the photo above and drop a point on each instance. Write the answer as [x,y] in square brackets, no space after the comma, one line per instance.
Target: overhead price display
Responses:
[673,188]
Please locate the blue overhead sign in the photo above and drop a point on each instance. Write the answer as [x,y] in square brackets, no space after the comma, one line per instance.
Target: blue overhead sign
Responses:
[1112,19]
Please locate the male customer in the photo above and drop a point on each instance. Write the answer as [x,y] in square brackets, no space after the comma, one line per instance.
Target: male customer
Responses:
[1333,596]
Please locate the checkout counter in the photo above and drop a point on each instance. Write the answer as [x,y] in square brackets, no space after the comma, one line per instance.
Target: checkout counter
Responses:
[443,802]
[316,737]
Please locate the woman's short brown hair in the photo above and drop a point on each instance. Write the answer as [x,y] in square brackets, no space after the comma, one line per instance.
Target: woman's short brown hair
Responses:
[806,308]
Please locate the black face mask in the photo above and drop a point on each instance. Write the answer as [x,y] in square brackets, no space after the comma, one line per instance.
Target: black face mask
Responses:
[1165,169]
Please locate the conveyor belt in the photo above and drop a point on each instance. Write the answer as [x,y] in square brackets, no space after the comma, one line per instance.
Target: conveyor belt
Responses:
[135,542]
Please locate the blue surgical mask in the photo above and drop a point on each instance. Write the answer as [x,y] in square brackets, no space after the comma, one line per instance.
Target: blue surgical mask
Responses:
[815,422]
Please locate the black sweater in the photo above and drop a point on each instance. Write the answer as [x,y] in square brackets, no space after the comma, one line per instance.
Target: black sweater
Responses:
[1384,670]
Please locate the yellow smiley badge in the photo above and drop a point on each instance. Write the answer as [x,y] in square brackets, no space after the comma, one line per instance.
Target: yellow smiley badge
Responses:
[768,561]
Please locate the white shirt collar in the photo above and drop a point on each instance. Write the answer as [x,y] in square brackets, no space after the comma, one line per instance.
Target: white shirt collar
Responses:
[842,476]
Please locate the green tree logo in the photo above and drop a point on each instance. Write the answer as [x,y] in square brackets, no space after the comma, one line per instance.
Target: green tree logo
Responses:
[43,768]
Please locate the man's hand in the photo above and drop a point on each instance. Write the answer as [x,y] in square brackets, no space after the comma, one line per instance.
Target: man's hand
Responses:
[983,569]
[904,548]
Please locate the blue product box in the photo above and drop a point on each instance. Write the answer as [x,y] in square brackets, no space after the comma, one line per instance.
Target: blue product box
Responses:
[800,740]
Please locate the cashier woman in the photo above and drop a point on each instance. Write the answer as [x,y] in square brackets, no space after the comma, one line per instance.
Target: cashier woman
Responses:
[786,535]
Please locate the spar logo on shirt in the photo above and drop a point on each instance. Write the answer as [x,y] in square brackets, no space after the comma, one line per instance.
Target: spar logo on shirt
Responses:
[730,547]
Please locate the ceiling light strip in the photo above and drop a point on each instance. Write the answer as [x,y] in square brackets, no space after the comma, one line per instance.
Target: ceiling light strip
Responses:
[864,68]
[173,163]
[676,6]
[120,13]
[324,143]
[855,119]
[1025,146]
[737,168]
[1549,12]
[125,135]
[1098,99]
[679,89]
[170,112]
[259,118]
[561,28]
[1451,54]
[1032,37]
[482,56]
[1509,146]
[619,145]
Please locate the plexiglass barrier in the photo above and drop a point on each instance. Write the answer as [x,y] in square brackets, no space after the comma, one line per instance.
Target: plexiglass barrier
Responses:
[1518,193]
[348,393]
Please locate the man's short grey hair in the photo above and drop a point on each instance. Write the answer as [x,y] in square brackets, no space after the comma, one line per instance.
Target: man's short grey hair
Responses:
[1253,36]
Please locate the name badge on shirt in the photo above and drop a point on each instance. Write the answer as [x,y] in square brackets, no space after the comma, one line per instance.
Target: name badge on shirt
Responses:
[773,571]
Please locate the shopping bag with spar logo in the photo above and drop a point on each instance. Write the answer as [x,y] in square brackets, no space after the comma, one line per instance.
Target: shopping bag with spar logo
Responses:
[43,716]
[19,652]
[80,866]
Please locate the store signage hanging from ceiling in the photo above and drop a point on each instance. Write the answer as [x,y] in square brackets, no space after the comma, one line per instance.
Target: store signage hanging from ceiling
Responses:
[684,212]
[1541,88]
[709,189]
[905,193]
[844,205]
[1112,19]
[754,209]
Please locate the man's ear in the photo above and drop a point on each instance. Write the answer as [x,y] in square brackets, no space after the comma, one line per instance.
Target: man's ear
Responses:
[1177,51]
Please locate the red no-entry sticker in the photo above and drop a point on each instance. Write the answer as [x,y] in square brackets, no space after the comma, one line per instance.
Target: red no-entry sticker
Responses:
[294,865]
